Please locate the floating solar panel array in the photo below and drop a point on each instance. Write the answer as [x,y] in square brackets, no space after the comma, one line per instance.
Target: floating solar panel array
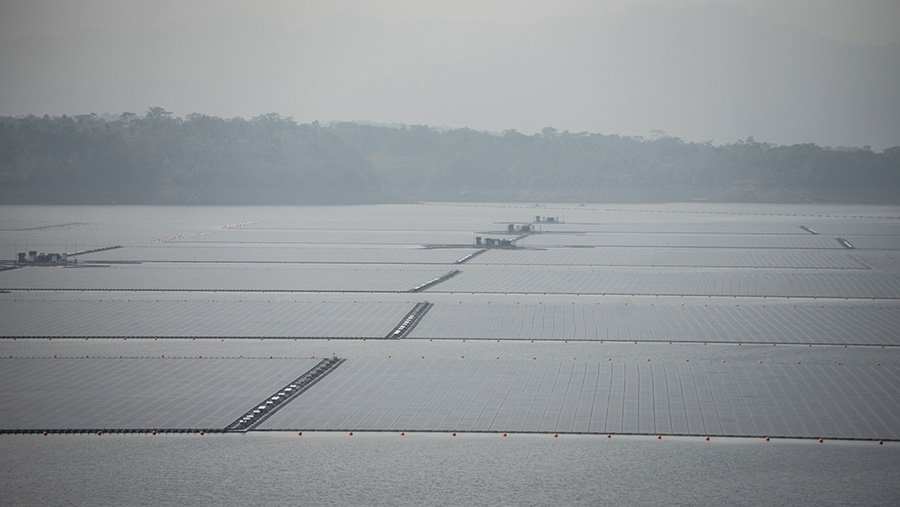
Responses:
[160,393]
[762,321]
[332,237]
[796,241]
[871,228]
[629,225]
[585,280]
[278,254]
[673,257]
[602,397]
[223,277]
[348,272]
[875,242]
[220,317]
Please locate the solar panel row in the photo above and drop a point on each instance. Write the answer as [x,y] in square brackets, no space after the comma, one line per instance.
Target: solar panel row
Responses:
[688,281]
[602,397]
[220,318]
[137,393]
[758,322]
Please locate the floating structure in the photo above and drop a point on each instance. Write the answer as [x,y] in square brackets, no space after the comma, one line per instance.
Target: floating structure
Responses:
[33,258]
[513,228]
[495,242]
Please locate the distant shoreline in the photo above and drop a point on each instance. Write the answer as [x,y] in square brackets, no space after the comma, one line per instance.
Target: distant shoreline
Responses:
[162,159]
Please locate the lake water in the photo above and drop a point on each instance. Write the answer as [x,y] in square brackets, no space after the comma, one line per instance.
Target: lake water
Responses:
[439,469]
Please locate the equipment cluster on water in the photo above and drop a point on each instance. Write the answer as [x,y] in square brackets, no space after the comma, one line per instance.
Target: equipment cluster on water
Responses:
[32,258]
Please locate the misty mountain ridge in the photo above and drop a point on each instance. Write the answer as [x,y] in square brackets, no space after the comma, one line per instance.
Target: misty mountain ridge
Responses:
[159,158]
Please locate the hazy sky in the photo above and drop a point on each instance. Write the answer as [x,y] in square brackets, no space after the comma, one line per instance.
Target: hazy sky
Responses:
[784,71]
[862,21]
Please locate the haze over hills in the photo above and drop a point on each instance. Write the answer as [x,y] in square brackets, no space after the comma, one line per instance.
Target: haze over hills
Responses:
[701,72]
[159,158]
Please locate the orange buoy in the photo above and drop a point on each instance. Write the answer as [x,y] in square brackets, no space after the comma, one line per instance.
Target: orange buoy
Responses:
[153,432]
[659,437]
[608,435]
[707,438]
[202,433]
[820,440]
[99,432]
[45,434]
[504,434]
[351,433]
[880,442]
[555,435]
[299,433]
[453,434]
[402,433]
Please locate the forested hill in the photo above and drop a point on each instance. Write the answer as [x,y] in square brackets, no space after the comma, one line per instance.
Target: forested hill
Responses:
[270,159]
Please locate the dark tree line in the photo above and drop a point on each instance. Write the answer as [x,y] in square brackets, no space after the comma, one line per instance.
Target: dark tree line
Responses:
[594,167]
[159,158]
[270,159]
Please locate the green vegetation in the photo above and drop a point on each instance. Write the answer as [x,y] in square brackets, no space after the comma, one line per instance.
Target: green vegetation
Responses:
[270,159]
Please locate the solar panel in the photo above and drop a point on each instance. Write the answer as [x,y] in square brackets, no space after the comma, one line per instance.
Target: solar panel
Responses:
[88,393]
[583,396]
